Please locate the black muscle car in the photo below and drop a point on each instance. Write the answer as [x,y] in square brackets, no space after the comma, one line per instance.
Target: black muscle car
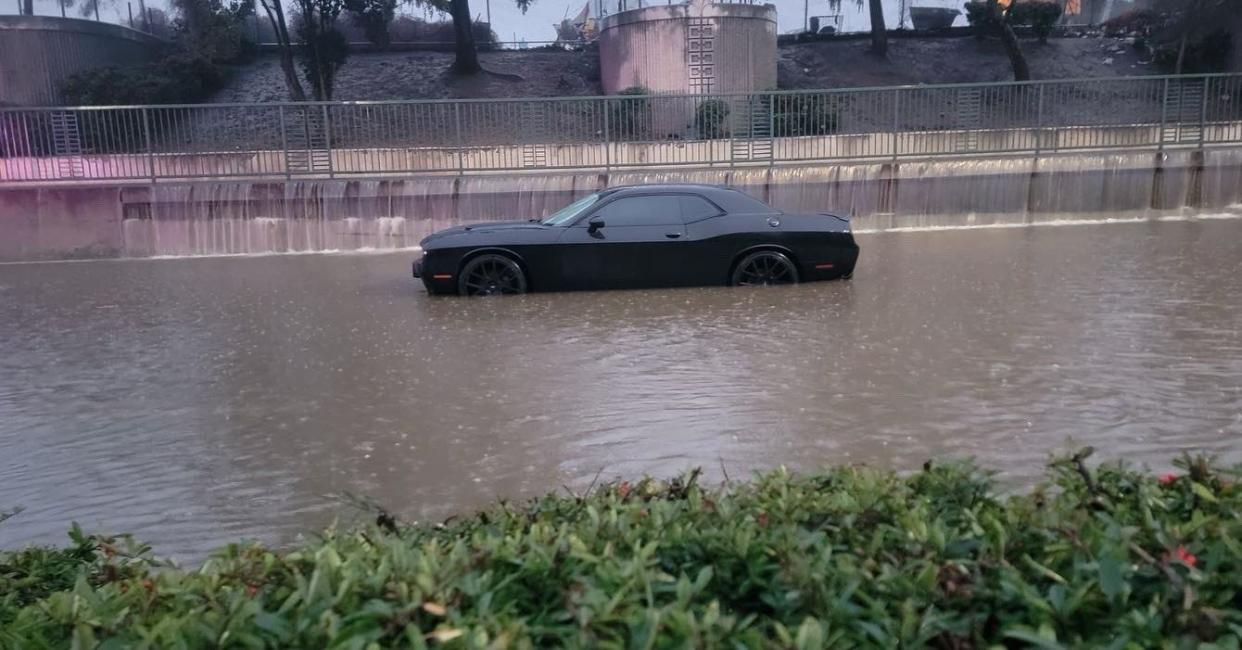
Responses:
[640,236]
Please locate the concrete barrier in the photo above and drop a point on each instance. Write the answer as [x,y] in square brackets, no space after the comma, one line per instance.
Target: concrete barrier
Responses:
[239,217]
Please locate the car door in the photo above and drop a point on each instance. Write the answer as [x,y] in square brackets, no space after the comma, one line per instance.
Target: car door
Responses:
[636,245]
[704,257]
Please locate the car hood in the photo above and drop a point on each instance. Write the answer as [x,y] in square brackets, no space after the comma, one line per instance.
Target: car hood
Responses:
[482,229]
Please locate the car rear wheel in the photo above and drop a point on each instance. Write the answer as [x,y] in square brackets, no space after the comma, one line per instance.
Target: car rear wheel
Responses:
[491,275]
[764,268]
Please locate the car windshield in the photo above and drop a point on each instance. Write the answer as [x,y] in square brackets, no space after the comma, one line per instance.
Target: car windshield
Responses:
[567,213]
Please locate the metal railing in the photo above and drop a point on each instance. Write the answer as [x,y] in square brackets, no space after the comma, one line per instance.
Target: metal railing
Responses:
[293,140]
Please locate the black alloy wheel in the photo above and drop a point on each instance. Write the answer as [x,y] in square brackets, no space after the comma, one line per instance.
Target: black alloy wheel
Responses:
[491,275]
[764,268]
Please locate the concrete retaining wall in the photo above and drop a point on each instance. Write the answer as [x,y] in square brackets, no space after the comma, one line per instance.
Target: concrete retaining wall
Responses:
[316,215]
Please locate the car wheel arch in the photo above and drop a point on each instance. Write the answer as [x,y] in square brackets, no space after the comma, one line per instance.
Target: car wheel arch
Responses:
[741,255]
[494,250]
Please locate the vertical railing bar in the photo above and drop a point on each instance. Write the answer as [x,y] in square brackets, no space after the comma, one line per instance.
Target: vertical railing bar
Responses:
[1164,113]
[896,118]
[457,129]
[327,141]
[1039,121]
[1203,110]
[146,136]
[284,143]
[607,138]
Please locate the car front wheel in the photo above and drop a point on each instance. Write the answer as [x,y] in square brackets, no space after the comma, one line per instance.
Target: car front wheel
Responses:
[764,268]
[491,275]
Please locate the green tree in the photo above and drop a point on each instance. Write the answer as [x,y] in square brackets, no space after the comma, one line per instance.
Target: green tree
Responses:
[276,16]
[997,19]
[879,31]
[213,28]
[466,59]
[374,17]
[323,47]
[1201,32]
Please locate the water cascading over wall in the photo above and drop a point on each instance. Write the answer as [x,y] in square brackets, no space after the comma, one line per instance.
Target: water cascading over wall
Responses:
[238,217]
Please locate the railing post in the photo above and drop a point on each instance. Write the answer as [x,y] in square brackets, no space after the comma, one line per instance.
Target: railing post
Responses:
[896,121]
[1039,121]
[771,101]
[461,166]
[327,141]
[146,136]
[1203,111]
[1164,114]
[284,144]
[607,139]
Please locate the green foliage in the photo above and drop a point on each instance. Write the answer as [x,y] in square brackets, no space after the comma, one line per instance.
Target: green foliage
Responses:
[406,29]
[1040,15]
[31,575]
[374,16]
[178,79]
[977,14]
[323,49]
[850,557]
[630,114]
[796,115]
[711,119]
[1205,53]
[213,29]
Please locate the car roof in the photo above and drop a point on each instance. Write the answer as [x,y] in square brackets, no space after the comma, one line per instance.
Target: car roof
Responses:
[731,199]
[683,187]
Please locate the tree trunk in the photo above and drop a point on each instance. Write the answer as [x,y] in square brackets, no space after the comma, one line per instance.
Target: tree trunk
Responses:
[467,61]
[276,16]
[1021,72]
[879,31]
[1181,56]
[146,18]
[28,7]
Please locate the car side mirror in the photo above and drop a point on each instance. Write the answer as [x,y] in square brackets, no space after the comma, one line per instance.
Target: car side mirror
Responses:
[595,223]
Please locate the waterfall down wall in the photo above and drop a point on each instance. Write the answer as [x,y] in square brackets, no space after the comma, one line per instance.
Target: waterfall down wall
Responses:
[220,218]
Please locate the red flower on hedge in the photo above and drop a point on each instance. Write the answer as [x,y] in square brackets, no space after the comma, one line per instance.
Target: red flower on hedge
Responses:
[1184,556]
[1168,479]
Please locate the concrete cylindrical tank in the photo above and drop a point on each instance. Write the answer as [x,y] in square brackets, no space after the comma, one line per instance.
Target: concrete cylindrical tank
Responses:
[698,47]
[38,52]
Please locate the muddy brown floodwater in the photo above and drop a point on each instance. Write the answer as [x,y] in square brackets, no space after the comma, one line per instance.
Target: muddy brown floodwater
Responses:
[198,401]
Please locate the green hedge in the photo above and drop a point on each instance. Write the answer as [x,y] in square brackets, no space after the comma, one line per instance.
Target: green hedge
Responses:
[1040,15]
[847,558]
[177,79]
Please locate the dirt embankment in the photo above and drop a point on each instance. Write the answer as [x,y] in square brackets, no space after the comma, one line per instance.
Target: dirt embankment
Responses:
[424,75]
[966,59]
[827,64]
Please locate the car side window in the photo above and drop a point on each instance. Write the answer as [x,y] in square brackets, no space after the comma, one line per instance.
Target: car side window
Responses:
[641,211]
[694,208]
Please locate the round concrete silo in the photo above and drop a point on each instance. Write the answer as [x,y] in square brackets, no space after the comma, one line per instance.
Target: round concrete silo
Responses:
[695,48]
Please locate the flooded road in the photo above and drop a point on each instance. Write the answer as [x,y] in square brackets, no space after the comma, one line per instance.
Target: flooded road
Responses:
[197,401]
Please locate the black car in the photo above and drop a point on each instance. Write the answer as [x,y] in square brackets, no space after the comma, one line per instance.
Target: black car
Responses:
[640,236]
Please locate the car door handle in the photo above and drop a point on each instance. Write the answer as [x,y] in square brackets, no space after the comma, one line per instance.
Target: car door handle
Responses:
[672,235]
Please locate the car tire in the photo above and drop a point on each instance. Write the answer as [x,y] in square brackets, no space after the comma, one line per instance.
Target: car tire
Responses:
[763,268]
[491,274]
